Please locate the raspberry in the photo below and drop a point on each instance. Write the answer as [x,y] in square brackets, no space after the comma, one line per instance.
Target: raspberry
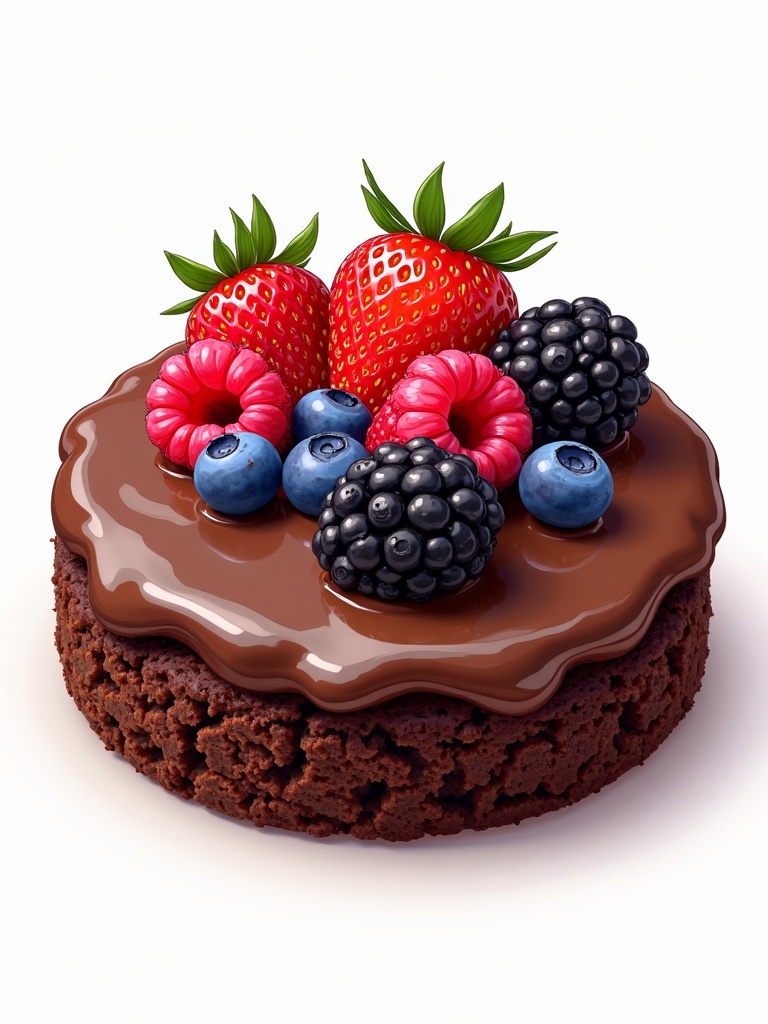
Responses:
[215,388]
[408,523]
[466,405]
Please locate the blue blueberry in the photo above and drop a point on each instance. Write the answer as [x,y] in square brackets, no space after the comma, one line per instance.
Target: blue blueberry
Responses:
[566,484]
[330,409]
[314,465]
[238,473]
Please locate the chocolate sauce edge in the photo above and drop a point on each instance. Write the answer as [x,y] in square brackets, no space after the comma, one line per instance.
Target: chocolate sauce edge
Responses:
[517,699]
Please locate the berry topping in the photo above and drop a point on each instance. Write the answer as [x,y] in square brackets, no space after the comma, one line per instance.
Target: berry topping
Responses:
[314,465]
[582,370]
[565,484]
[213,389]
[330,409]
[430,532]
[238,473]
[419,289]
[255,299]
[464,404]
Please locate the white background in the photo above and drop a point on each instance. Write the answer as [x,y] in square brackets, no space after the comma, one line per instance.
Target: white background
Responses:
[636,132]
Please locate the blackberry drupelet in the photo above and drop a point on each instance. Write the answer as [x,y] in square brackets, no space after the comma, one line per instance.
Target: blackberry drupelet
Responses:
[409,522]
[581,368]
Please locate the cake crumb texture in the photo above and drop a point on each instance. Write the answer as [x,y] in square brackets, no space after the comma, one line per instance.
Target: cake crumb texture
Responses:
[418,765]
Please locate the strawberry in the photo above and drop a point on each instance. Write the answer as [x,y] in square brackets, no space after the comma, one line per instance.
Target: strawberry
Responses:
[464,404]
[212,389]
[404,294]
[267,303]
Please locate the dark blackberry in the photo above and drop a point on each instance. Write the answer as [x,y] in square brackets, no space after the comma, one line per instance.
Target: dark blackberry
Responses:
[580,367]
[417,523]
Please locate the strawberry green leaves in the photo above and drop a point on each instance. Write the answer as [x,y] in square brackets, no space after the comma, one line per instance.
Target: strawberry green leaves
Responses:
[262,232]
[429,205]
[223,256]
[468,234]
[182,307]
[477,223]
[193,275]
[501,250]
[383,210]
[244,248]
[253,246]
[299,248]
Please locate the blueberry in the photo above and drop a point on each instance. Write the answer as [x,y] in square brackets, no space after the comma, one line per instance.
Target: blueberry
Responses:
[566,484]
[238,473]
[330,409]
[313,466]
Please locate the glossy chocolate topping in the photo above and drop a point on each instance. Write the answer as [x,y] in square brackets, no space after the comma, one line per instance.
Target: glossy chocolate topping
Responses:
[251,599]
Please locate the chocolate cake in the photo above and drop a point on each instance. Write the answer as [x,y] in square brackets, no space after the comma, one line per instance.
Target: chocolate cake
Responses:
[218,659]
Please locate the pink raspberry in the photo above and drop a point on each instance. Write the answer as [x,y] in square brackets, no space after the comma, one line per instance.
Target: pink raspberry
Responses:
[465,404]
[215,388]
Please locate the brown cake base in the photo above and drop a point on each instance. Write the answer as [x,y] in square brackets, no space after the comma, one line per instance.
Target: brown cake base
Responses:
[417,765]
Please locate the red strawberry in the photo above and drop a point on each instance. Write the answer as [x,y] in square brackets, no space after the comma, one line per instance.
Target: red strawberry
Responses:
[215,388]
[267,303]
[465,404]
[404,294]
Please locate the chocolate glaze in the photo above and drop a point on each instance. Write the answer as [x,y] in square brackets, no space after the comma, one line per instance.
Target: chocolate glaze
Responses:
[250,598]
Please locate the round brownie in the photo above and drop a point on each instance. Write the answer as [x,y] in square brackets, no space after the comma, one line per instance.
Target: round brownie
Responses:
[419,764]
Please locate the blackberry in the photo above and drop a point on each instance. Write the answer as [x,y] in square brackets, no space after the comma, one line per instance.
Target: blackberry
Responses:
[581,369]
[408,523]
